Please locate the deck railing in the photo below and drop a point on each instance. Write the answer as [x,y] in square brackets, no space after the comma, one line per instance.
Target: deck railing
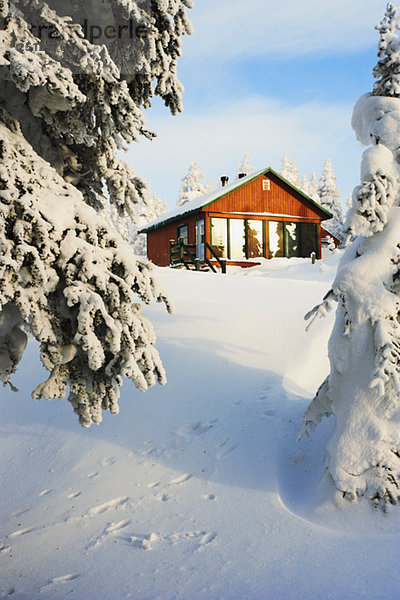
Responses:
[185,254]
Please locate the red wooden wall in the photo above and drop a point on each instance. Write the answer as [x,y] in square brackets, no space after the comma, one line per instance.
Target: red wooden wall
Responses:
[158,240]
[280,199]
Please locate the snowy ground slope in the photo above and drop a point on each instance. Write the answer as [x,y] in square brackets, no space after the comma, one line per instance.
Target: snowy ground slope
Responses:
[198,490]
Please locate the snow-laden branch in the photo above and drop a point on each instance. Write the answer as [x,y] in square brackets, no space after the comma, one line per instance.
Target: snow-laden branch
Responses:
[74,284]
[321,310]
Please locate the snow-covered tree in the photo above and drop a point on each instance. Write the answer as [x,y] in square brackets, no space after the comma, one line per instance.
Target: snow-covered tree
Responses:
[328,192]
[387,70]
[147,211]
[290,171]
[192,185]
[362,390]
[313,187]
[305,184]
[70,97]
[244,167]
[150,208]
[329,198]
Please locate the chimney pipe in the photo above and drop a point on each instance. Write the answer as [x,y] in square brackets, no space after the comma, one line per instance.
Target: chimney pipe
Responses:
[241,175]
[224,180]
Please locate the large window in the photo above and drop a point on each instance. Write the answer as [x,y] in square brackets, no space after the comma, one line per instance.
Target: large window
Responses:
[276,239]
[219,236]
[292,239]
[237,238]
[244,238]
[288,239]
[309,239]
[255,239]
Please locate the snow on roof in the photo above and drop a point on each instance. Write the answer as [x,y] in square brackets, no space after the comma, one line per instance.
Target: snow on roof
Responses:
[206,199]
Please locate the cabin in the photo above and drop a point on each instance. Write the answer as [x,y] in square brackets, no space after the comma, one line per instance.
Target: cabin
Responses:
[260,215]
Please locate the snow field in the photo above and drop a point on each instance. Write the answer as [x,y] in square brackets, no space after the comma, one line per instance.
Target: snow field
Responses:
[197,490]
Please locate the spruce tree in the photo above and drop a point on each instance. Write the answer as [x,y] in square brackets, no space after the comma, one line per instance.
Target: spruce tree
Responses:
[329,198]
[305,184]
[290,171]
[362,390]
[192,185]
[244,167]
[387,70]
[74,81]
[313,187]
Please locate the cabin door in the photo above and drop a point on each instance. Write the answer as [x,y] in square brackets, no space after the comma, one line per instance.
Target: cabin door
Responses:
[200,239]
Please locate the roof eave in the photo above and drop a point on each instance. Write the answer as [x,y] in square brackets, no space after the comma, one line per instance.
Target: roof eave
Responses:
[232,189]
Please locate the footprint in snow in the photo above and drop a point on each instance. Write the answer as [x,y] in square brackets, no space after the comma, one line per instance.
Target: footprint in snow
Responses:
[73,495]
[21,532]
[197,427]
[270,413]
[45,492]
[64,578]
[206,537]
[181,479]
[110,531]
[162,497]
[144,542]
[60,580]
[153,484]
[115,503]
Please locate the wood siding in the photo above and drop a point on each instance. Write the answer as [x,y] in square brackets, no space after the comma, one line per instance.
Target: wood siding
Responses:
[158,240]
[281,199]
[250,201]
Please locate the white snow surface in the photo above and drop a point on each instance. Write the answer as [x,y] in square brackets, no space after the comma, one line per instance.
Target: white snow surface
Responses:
[197,490]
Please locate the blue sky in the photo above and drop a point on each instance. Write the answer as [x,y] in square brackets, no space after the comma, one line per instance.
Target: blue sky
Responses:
[265,78]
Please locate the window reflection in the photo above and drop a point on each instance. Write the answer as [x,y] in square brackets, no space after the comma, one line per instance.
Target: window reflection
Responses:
[254,239]
[309,239]
[219,236]
[292,239]
[276,239]
[237,238]
[183,233]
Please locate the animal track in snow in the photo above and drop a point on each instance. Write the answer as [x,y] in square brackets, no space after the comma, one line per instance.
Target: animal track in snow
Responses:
[92,475]
[64,578]
[73,495]
[115,503]
[206,537]
[146,541]
[197,427]
[225,449]
[18,513]
[163,497]
[181,479]
[153,484]
[60,580]
[109,531]
[209,497]
[21,532]
[270,413]
[45,492]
